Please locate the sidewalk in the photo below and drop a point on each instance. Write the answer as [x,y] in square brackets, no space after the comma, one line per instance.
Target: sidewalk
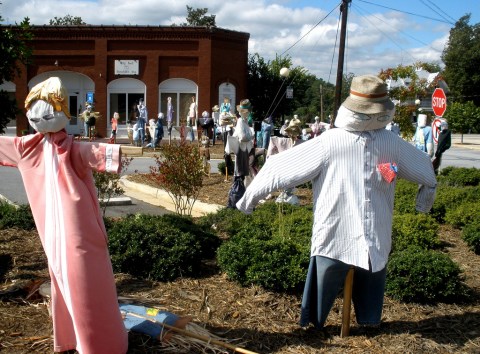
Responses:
[470,141]
[159,197]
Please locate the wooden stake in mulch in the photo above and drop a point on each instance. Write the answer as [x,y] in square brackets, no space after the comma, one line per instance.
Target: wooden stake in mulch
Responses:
[203,338]
[347,299]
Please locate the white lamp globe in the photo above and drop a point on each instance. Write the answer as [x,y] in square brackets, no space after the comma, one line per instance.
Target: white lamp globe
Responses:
[284,72]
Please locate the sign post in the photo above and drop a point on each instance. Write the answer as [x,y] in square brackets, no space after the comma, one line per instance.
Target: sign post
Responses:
[439,102]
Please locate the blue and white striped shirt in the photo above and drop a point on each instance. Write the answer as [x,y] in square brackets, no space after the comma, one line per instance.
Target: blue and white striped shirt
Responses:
[352,203]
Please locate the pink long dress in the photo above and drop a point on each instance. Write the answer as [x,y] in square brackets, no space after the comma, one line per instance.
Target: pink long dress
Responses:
[57,173]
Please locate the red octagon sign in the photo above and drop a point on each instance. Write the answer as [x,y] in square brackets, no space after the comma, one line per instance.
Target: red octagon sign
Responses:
[439,102]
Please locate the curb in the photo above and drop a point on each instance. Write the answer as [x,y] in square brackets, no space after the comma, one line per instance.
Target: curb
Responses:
[8,201]
[160,197]
[466,146]
[118,201]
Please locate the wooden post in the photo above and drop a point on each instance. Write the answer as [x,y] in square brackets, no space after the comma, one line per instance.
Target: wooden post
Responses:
[347,300]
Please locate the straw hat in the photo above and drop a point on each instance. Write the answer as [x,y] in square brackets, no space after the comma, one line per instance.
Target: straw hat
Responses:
[294,127]
[369,95]
[215,108]
[244,106]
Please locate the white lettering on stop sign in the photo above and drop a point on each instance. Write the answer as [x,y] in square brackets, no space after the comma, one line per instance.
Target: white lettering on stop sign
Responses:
[439,102]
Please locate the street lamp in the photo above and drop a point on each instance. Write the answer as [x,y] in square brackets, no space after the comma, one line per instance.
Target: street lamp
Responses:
[284,72]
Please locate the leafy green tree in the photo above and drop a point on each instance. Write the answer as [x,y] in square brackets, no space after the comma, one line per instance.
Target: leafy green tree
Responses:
[14,50]
[198,17]
[267,89]
[462,117]
[67,20]
[462,60]
[263,86]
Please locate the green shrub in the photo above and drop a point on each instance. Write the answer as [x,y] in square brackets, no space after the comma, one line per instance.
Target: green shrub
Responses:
[448,198]
[471,235]
[424,276]
[221,168]
[226,221]
[459,176]
[270,249]
[405,194]
[414,230]
[13,216]
[159,247]
[464,214]
[274,264]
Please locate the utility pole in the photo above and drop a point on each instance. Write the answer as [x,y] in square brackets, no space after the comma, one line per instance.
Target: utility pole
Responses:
[341,55]
[321,103]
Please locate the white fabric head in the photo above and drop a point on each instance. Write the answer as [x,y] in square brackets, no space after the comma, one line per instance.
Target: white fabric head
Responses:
[354,121]
[44,119]
[422,120]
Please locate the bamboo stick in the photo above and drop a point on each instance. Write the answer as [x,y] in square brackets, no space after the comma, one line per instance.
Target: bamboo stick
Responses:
[197,336]
[347,299]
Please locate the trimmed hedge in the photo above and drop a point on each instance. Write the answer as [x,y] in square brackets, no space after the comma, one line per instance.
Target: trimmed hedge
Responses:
[464,214]
[271,249]
[414,230]
[12,216]
[471,236]
[405,193]
[449,198]
[160,248]
[424,276]
[459,176]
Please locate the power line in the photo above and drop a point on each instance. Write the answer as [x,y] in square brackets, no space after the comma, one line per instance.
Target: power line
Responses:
[408,13]
[433,8]
[402,49]
[311,29]
[436,6]
[284,52]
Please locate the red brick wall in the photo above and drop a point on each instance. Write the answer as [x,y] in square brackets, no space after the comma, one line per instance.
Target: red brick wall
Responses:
[207,57]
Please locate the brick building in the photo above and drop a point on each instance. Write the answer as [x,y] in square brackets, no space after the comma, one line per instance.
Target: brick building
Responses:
[115,66]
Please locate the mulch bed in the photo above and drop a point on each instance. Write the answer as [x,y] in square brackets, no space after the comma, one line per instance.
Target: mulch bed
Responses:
[259,320]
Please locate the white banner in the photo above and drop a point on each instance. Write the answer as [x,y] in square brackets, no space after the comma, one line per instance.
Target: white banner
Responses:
[126,67]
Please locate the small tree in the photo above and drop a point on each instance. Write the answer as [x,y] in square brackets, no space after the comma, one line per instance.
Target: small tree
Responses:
[108,184]
[67,20]
[197,17]
[14,50]
[179,171]
[462,117]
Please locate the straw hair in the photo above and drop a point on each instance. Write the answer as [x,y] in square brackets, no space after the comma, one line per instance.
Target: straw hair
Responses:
[51,91]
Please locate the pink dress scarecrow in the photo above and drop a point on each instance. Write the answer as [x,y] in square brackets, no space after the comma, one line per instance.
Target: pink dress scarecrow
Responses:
[57,174]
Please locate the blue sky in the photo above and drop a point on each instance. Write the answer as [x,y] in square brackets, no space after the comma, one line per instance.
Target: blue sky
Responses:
[381,33]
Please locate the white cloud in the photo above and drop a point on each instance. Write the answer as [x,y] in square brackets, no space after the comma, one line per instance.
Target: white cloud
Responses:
[375,41]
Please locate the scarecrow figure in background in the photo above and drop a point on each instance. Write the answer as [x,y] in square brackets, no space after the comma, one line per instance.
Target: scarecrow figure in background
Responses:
[423,137]
[57,174]
[240,144]
[444,143]
[90,118]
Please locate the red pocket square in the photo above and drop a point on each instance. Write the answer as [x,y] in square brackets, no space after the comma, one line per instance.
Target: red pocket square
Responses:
[388,171]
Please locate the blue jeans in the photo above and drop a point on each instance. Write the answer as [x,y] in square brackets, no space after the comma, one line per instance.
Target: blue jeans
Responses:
[326,277]
[192,134]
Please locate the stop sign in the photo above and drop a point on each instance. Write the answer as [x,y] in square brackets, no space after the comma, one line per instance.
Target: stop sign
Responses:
[439,102]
